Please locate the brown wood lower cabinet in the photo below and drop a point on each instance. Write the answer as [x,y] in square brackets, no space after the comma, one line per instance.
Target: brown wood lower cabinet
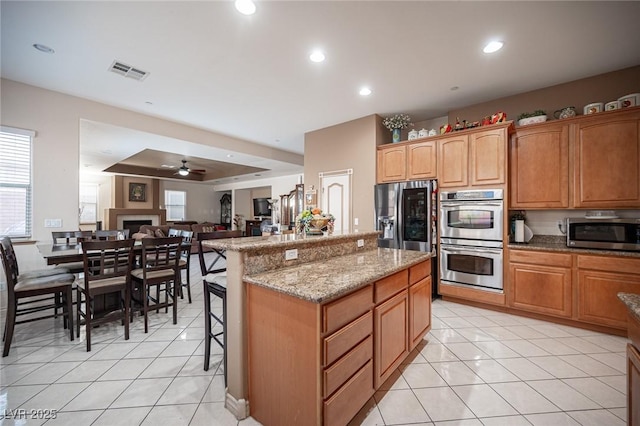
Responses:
[633,370]
[318,364]
[576,287]
[540,282]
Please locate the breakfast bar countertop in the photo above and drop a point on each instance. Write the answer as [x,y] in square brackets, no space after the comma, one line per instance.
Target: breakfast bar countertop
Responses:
[325,280]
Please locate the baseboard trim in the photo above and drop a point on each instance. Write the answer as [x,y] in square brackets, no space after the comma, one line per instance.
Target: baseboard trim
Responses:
[238,407]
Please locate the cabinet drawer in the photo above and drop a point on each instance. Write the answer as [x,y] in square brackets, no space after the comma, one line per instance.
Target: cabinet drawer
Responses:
[346,309]
[348,400]
[419,271]
[338,373]
[540,258]
[387,287]
[611,264]
[346,338]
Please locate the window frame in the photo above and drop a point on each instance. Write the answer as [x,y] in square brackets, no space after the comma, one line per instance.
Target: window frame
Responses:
[81,203]
[9,168]
[167,205]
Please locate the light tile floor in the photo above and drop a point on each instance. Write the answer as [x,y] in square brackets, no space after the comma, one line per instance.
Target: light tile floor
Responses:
[475,367]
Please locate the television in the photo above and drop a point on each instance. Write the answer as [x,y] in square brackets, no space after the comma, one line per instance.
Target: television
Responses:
[261,207]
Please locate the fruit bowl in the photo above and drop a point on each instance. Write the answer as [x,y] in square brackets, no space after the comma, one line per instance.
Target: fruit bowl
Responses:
[317,224]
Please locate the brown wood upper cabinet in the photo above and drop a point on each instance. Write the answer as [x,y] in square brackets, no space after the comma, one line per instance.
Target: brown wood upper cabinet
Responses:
[607,161]
[585,162]
[476,158]
[391,163]
[421,160]
[539,160]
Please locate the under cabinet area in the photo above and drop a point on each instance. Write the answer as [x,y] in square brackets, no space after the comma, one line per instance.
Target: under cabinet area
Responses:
[319,363]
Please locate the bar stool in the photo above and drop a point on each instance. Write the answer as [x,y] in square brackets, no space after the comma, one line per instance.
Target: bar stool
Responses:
[214,282]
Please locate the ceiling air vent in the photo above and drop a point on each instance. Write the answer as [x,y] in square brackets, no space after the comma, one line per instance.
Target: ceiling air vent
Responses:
[128,71]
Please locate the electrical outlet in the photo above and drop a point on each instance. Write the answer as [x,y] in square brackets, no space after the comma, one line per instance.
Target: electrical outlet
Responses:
[291,254]
[360,243]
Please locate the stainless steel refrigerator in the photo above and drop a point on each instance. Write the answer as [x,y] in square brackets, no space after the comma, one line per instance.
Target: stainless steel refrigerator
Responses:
[406,214]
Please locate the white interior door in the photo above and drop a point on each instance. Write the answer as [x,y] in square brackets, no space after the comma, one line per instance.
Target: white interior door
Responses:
[335,193]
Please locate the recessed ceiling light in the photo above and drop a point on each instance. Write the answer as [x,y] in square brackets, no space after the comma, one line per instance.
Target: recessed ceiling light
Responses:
[493,46]
[317,56]
[229,155]
[148,102]
[246,7]
[43,48]
[365,91]
[454,88]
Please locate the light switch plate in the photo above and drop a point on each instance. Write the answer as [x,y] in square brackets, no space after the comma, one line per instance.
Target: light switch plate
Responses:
[355,221]
[291,254]
[53,223]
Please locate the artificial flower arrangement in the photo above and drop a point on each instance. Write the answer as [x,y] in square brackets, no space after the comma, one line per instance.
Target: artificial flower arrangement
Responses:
[398,121]
[313,221]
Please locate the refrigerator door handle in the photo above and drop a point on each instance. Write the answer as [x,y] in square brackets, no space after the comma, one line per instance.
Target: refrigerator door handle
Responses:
[399,215]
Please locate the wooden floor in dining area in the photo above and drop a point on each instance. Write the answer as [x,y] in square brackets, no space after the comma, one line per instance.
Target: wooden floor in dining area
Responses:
[475,367]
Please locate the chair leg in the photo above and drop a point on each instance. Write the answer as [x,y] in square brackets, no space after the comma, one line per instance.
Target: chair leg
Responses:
[87,320]
[224,337]
[127,306]
[174,299]
[188,284]
[68,296]
[145,309]
[9,326]
[78,310]
[207,325]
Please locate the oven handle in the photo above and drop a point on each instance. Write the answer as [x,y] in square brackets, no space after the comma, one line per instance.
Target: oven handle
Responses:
[446,204]
[475,250]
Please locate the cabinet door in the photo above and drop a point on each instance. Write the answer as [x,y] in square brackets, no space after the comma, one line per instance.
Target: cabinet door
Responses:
[421,161]
[391,335]
[391,164]
[598,302]
[542,289]
[453,161]
[607,162]
[539,161]
[419,311]
[487,157]
[633,385]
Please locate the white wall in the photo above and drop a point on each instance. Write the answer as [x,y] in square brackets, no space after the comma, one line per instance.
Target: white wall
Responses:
[55,118]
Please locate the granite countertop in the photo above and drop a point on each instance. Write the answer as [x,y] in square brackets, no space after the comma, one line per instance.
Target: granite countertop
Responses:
[632,301]
[282,240]
[322,281]
[558,243]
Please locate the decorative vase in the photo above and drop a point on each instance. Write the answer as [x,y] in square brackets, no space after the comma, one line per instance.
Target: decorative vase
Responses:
[396,135]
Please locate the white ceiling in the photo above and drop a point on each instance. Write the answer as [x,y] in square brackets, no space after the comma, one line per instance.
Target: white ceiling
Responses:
[249,77]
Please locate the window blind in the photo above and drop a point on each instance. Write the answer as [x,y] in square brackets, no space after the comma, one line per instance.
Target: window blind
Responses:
[15,182]
[175,203]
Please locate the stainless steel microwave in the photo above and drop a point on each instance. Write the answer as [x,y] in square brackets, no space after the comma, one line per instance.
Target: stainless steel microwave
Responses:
[609,234]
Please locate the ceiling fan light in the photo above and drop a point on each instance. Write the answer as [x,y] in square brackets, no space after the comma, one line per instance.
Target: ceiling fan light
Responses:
[183,172]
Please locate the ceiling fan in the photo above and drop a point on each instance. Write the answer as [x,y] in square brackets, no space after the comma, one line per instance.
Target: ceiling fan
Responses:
[184,170]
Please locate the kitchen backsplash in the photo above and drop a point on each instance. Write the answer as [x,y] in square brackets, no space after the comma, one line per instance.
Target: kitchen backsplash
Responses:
[544,222]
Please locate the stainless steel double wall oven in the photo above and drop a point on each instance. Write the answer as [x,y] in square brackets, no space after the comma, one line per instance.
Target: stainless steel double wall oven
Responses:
[471,233]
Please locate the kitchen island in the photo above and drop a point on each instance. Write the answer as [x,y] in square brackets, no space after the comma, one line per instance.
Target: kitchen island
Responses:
[280,313]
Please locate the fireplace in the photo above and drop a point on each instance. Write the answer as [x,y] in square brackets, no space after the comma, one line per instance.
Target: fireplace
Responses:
[134,225]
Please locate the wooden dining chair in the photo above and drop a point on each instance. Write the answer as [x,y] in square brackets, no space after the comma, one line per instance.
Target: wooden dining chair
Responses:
[159,269]
[42,290]
[107,267]
[71,239]
[214,281]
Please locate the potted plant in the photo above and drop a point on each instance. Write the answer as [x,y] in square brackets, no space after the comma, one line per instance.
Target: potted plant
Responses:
[397,123]
[537,116]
